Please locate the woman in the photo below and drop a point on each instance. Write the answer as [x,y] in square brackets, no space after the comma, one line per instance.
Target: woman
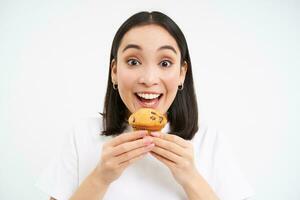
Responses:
[150,67]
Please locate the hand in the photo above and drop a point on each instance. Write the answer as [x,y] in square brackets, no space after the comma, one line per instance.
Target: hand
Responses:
[177,154]
[120,152]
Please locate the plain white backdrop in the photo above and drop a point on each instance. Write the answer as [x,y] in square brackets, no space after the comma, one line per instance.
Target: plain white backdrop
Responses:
[53,71]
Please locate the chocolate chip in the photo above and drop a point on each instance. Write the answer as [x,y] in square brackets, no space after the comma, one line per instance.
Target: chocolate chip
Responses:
[154,113]
[153,118]
[160,119]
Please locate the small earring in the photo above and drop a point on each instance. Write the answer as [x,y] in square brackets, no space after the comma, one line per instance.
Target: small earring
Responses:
[180,87]
[115,86]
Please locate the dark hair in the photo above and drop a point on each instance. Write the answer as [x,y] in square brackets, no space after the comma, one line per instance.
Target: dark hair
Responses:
[183,112]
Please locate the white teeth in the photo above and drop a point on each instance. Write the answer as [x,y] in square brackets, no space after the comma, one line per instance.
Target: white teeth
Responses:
[148,96]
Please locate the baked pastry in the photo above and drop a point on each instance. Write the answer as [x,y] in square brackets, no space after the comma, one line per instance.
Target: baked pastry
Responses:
[147,119]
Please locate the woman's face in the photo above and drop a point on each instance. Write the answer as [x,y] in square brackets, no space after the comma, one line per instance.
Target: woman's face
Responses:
[148,69]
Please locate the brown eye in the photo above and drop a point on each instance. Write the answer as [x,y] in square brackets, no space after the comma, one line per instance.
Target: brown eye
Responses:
[165,63]
[133,62]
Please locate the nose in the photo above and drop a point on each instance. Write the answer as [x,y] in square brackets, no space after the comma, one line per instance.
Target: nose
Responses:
[149,76]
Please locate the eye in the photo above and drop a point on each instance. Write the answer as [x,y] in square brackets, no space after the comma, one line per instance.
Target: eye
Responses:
[133,62]
[165,63]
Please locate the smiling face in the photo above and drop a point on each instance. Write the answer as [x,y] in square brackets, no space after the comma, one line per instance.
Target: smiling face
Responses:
[148,69]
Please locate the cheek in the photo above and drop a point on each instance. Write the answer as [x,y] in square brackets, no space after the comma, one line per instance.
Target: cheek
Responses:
[125,82]
[172,81]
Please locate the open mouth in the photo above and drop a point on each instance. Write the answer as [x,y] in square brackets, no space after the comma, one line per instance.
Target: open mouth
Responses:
[148,99]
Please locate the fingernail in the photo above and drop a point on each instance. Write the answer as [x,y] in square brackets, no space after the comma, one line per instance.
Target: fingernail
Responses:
[143,133]
[150,146]
[148,140]
[155,134]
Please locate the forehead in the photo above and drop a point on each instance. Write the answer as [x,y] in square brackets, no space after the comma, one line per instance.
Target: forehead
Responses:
[149,36]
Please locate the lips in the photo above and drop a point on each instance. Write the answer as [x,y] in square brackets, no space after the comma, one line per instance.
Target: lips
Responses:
[148,100]
[148,95]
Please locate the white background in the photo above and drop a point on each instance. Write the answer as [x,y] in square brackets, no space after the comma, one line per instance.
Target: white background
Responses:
[53,70]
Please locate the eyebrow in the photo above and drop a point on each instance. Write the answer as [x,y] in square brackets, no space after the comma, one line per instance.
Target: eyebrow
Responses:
[134,46]
[168,47]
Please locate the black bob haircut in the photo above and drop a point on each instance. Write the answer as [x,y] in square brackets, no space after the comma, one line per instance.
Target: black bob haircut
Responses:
[183,112]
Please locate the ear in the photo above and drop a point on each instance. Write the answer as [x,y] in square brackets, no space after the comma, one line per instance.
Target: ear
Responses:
[113,74]
[183,70]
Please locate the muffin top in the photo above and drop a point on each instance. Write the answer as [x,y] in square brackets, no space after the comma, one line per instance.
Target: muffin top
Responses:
[147,119]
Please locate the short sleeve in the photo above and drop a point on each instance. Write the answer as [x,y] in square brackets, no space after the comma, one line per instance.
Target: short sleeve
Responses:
[230,182]
[60,179]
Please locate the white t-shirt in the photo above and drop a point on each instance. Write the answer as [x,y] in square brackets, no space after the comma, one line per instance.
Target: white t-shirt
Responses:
[148,178]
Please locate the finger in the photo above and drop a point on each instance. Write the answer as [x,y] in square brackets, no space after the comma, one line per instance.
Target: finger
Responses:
[128,146]
[134,153]
[172,138]
[170,146]
[128,162]
[163,160]
[166,154]
[126,137]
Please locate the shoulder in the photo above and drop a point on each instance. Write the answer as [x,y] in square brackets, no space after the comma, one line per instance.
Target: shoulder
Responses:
[212,142]
[207,134]
[209,147]
[216,160]
[91,125]
[79,149]
[88,131]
